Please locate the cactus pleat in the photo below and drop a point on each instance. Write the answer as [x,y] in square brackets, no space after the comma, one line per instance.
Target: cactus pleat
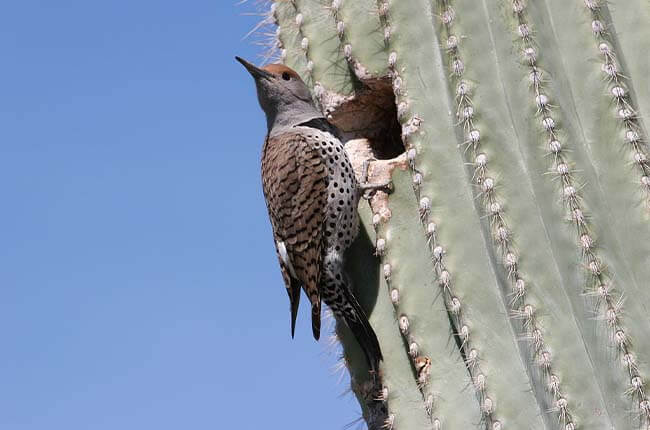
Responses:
[511,282]
[319,24]
[561,151]
[477,290]
[361,35]
[636,45]
[440,373]
[508,208]
[401,402]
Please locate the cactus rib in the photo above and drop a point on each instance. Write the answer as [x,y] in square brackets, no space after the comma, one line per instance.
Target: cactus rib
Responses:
[338,10]
[630,46]
[600,285]
[439,372]
[397,402]
[462,328]
[317,23]
[421,363]
[503,236]
[413,136]
[619,93]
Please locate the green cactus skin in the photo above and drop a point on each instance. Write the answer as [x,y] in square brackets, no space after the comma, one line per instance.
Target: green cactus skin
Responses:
[421,316]
[510,281]
[401,398]
[361,35]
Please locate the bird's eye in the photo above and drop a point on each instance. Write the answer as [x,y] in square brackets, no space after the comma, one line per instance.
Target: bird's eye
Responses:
[286,76]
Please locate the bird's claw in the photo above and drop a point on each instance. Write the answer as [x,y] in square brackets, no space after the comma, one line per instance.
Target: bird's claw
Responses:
[368,189]
[364,170]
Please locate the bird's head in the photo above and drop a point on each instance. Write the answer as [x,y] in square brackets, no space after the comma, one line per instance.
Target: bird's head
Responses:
[283,96]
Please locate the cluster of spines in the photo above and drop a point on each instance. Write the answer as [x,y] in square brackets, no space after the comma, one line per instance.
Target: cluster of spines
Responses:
[619,93]
[382,10]
[608,305]
[266,31]
[502,234]
[410,128]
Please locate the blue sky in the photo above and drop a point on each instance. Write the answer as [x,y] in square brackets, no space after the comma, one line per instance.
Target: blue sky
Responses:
[138,282]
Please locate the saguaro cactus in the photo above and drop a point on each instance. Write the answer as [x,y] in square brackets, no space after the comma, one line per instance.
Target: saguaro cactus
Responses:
[508,275]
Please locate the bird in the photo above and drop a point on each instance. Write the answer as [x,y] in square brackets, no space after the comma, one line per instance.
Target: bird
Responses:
[311,194]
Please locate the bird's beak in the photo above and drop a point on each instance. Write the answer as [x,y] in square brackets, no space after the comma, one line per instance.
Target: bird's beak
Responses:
[255,71]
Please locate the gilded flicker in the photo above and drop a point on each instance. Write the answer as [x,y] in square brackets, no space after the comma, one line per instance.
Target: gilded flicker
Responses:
[311,194]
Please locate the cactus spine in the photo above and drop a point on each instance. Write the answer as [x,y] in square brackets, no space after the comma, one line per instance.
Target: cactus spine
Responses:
[510,281]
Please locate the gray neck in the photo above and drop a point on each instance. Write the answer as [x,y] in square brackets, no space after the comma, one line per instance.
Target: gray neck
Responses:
[288,116]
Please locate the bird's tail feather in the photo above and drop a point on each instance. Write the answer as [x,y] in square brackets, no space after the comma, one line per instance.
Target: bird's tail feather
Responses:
[364,333]
[315,319]
[294,297]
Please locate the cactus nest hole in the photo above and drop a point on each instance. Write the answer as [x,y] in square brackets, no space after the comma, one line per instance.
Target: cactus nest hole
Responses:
[371,114]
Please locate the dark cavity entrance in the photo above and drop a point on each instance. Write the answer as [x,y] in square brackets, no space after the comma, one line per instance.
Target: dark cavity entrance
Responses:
[371,115]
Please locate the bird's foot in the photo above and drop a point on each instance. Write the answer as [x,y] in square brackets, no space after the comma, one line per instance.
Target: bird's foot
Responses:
[367,188]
